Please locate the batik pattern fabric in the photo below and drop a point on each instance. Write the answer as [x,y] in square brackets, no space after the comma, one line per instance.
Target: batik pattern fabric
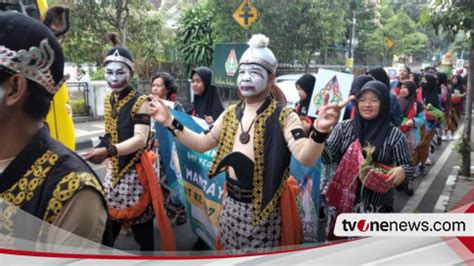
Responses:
[238,235]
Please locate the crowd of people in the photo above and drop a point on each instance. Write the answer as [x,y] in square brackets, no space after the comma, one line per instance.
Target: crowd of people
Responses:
[389,132]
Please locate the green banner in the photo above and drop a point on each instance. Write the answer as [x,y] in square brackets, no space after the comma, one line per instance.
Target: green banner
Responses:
[225,66]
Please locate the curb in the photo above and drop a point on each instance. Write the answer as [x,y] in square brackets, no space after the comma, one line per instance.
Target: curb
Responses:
[443,200]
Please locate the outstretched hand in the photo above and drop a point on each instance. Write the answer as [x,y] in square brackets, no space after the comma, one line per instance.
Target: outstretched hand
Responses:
[159,111]
[328,114]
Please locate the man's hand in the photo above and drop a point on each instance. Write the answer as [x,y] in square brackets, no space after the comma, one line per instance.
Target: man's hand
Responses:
[328,114]
[159,111]
[396,176]
[96,156]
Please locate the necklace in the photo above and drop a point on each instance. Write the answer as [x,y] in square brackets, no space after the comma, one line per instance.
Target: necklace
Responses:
[245,136]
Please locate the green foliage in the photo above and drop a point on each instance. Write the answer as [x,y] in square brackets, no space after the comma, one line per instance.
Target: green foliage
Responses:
[97,75]
[194,37]
[78,106]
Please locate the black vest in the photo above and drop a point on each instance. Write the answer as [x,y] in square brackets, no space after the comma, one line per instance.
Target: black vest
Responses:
[41,180]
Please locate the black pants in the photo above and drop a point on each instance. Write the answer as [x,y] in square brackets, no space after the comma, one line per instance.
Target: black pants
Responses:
[142,233]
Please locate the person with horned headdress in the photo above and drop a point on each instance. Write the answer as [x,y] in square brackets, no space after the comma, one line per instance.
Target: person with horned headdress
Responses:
[255,140]
[132,190]
[39,175]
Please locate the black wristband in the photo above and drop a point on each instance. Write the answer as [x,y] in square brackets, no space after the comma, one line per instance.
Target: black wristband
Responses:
[176,125]
[112,151]
[317,136]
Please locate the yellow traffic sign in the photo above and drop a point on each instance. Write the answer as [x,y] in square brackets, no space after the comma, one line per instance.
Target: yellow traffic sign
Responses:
[389,42]
[246,14]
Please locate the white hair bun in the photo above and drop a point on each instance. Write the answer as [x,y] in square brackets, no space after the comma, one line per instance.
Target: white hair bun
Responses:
[258,41]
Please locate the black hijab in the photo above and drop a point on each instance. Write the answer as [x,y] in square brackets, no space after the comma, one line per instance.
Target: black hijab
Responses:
[209,103]
[407,102]
[379,74]
[442,78]
[306,82]
[431,90]
[460,85]
[374,131]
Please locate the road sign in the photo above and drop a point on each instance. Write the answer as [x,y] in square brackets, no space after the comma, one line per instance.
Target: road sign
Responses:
[389,42]
[246,14]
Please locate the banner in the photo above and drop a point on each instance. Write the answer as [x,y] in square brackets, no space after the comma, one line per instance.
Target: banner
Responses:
[337,84]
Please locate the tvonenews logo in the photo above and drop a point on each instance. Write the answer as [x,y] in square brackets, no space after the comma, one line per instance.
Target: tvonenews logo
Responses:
[404,224]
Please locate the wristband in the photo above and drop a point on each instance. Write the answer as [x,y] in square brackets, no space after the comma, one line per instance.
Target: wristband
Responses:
[175,125]
[317,136]
[112,151]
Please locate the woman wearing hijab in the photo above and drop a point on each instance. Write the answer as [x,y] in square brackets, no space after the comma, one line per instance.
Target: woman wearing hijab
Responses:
[445,99]
[356,85]
[305,86]
[379,74]
[371,127]
[207,103]
[416,77]
[431,97]
[457,99]
[413,119]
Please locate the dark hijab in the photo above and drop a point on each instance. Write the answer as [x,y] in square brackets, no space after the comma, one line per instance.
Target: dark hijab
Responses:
[306,82]
[460,85]
[407,102]
[209,103]
[442,78]
[431,90]
[374,131]
[379,74]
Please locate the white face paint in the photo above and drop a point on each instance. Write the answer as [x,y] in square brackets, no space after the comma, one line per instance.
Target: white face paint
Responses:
[252,79]
[117,75]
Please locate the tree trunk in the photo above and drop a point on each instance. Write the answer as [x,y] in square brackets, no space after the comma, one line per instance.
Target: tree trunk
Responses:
[466,138]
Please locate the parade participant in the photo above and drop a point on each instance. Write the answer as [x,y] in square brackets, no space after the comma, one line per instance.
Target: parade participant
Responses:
[163,86]
[255,140]
[356,85]
[39,175]
[379,74]
[305,86]
[457,99]
[404,73]
[207,104]
[131,187]
[413,120]
[371,130]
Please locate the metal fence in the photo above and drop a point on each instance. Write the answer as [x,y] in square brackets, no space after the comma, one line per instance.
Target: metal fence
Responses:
[79,98]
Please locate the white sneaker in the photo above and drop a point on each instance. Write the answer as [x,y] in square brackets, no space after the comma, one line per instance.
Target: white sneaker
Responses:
[428,162]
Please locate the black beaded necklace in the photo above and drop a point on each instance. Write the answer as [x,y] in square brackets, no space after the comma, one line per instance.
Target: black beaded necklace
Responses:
[245,136]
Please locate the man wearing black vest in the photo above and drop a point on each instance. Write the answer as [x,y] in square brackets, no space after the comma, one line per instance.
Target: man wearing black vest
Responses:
[37,173]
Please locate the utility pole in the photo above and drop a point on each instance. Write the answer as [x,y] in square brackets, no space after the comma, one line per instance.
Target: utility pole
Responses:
[350,57]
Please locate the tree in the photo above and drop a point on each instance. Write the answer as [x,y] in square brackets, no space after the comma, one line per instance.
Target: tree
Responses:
[194,37]
[454,17]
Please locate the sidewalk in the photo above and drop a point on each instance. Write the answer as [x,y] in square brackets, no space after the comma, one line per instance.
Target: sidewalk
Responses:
[87,133]
[458,190]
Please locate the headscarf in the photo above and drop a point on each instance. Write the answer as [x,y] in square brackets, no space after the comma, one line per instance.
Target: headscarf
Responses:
[209,103]
[306,82]
[407,102]
[356,85]
[379,74]
[374,131]
[431,90]
[417,78]
[442,78]
[460,85]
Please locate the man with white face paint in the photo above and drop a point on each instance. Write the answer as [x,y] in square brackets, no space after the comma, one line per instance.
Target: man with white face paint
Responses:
[130,182]
[255,140]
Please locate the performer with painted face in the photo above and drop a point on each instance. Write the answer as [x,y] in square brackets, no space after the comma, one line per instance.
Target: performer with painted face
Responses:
[131,187]
[255,140]
[39,175]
